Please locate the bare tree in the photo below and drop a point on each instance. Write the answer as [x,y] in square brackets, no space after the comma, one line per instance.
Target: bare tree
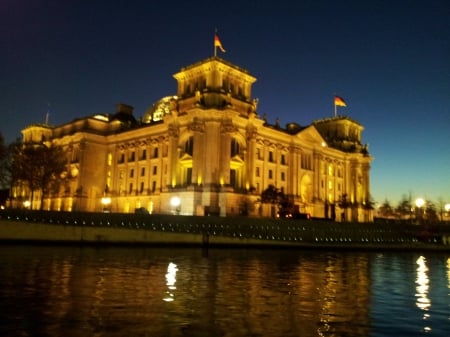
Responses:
[431,214]
[386,210]
[4,167]
[38,167]
[404,208]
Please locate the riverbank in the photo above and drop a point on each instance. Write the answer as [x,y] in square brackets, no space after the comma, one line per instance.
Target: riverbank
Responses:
[141,229]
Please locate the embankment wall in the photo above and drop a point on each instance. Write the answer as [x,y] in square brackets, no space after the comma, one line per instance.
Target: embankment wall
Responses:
[131,229]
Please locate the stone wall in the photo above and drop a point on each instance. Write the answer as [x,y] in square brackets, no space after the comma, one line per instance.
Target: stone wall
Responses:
[214,231]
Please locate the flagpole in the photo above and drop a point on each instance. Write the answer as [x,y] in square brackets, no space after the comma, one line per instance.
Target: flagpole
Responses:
[335,109]
[215,47]
[47,114]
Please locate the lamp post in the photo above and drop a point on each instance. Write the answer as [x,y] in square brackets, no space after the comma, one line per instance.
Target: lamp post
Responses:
[447,211]
[419,203]
[106,201]
[175,202]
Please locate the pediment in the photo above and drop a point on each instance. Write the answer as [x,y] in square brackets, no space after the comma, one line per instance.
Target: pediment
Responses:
[310,135]
[237,159]
[186,158]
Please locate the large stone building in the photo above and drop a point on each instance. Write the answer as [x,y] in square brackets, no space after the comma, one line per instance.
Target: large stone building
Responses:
[207,151]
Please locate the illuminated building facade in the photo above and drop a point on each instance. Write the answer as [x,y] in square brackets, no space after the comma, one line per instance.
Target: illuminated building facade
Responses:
[206,151]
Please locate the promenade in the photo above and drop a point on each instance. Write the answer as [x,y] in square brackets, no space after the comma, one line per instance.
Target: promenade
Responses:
[143,229]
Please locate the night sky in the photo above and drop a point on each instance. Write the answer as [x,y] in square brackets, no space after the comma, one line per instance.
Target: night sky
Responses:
[389,60]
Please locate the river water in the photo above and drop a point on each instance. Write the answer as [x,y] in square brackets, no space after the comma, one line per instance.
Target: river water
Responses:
[117,291]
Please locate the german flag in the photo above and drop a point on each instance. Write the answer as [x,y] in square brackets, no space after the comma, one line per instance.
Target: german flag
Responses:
[338,101]
[217,43]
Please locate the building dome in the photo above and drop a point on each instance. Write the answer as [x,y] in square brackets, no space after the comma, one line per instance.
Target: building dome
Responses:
[158,110]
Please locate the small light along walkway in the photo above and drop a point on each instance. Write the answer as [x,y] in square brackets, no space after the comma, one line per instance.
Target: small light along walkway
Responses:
[209,231]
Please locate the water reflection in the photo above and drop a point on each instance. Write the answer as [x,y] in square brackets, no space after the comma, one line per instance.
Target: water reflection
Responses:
[422,289]
[171,279]
[162,292]
[448,273]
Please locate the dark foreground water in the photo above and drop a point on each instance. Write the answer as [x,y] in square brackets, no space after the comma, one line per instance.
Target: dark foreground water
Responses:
[80,292]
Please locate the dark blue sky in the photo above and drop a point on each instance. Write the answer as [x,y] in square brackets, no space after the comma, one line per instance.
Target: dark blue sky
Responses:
[389,60]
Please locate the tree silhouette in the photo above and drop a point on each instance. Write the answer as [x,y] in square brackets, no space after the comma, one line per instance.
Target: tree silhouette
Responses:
[273,195]
[386,210]
[4,171]
[38,167]
[404,207]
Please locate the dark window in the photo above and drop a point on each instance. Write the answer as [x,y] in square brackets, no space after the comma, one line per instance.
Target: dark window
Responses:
[233,177]
[155,170]
[122,158]
[155,152]
[189,146]
[234,148]
[271,156]
[189,176]
[131,173]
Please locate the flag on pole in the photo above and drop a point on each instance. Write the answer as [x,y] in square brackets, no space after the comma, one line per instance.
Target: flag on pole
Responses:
[338,101]
[217,43]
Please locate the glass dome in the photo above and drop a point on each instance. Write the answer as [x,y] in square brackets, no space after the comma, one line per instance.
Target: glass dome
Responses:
[158,110]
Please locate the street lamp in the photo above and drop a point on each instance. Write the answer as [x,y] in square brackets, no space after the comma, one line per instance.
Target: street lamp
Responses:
[106,201]
[447,210]
[419,203]
[175,202]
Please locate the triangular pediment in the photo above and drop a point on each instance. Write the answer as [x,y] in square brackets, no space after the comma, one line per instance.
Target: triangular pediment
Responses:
[310,135]
[237,159]
[186,158]
[236,162]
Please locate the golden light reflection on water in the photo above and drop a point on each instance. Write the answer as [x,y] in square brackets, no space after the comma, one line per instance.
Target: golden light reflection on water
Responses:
[162,292]
[171,279]
[448,273]
[423,302]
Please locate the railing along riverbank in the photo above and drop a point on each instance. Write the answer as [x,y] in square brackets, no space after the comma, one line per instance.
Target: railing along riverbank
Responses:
[115,228]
